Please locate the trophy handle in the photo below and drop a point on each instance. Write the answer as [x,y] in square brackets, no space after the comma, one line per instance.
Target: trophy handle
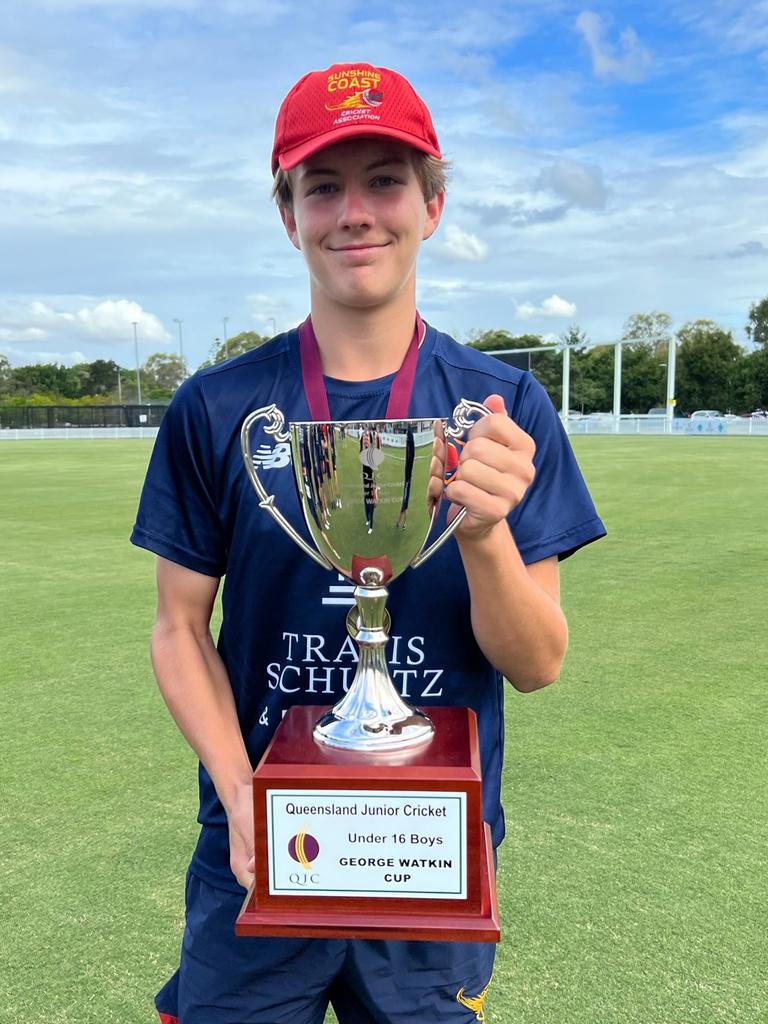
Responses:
[276,427]
[465,415]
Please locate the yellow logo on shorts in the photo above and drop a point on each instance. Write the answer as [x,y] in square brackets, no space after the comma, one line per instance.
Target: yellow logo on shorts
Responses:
[474,1003]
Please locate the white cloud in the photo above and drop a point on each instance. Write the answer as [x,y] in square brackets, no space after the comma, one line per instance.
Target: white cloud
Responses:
[114,318]
[629,62]
[26,357]
[33,333]
[577,183]
[109,320]
[443,284]
[553,307]
[462,245]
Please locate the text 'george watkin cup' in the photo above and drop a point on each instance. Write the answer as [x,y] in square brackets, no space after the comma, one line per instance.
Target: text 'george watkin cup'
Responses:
[363,486]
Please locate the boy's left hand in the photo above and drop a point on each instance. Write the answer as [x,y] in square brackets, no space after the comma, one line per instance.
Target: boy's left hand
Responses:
[494,472]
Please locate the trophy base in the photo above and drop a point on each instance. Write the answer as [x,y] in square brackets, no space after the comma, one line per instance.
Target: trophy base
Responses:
[382,735]
[324,922]
[389,845]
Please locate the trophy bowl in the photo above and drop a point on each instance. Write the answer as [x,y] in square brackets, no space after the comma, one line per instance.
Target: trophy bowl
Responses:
[363,489]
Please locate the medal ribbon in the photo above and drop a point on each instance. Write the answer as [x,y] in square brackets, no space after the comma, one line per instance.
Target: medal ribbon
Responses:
[314,385]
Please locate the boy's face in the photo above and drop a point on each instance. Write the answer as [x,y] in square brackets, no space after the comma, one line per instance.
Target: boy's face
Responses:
[359,217]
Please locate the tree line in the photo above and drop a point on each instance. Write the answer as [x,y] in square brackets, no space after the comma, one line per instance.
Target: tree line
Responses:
[104,382]
[713,371]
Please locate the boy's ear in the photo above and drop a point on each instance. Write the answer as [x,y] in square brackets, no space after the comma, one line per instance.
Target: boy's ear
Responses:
[290,225]
[434,213]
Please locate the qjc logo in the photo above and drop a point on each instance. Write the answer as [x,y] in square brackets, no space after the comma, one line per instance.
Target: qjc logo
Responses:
[273,458]
[304,848]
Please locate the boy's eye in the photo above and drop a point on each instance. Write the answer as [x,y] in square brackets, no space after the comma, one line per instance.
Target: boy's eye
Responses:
[325,188]
[384,180]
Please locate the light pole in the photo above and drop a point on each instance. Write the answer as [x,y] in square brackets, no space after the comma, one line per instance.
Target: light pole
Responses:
[136,352]
[274,325]
[181,342]
[566,395]
[225,321]
[671,367]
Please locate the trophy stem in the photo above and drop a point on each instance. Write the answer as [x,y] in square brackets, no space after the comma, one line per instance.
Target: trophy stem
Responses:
[372,715]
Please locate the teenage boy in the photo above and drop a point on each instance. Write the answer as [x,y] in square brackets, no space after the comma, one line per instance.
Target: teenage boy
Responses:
[360,185]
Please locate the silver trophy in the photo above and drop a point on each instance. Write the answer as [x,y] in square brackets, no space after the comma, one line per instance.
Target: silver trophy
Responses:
[363,487]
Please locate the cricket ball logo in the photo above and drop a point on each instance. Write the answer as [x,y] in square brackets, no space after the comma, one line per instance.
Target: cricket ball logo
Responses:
[304,848]
[359,100]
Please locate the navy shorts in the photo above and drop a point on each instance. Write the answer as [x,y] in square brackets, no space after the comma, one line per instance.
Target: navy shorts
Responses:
[223,979]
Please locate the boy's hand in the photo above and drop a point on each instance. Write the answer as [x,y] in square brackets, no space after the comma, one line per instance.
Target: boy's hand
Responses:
[240,820]
[494,471]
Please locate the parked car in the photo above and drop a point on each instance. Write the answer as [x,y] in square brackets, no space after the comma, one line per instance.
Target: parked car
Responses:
[657,410]
[707,421]
[599,419]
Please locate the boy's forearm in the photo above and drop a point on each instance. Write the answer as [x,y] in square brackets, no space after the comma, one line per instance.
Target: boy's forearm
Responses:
[195,686]
[519,627]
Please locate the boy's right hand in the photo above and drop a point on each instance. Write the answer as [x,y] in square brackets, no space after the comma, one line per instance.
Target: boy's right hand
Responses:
[240,820]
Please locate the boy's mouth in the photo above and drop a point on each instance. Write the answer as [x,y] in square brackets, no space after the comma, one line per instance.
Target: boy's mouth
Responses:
[359,246]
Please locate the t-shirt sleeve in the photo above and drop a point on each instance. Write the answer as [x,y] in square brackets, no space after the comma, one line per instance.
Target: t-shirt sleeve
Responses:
[557,515]
[178,516]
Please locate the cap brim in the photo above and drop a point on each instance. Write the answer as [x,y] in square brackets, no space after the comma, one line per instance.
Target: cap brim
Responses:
[292,157]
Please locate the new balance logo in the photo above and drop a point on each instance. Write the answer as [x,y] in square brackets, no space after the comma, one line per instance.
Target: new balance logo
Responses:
[273,458]
[336,591]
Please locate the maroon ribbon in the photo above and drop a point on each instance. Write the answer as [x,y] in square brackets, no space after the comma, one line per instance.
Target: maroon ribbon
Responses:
[314,385]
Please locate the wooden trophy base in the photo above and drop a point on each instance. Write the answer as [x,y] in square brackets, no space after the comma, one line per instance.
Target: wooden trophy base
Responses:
[371,845]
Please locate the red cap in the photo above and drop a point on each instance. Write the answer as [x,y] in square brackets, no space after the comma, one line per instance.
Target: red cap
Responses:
[349,101]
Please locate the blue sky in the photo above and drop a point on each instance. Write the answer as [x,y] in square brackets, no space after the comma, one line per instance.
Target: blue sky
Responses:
[608,159]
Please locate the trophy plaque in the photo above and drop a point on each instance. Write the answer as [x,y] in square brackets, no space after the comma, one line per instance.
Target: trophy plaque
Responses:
[368,815]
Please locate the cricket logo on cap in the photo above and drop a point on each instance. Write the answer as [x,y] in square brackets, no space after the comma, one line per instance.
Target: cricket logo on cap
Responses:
[358,101]
[304,848]
[365,83]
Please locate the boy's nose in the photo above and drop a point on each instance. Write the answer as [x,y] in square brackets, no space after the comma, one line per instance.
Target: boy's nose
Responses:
[354,209]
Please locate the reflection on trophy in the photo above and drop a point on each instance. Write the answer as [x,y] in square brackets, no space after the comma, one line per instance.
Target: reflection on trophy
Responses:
[363,487]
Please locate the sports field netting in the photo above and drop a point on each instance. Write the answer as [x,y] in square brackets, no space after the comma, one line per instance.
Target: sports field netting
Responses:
[632,880]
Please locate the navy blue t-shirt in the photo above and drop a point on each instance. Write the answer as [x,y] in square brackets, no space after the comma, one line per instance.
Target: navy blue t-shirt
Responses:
[283,637]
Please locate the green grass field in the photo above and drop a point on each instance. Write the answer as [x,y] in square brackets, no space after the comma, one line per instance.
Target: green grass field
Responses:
[633,878]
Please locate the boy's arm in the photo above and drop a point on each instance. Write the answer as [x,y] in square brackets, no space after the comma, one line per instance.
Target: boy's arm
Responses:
[516,615]
[195,686]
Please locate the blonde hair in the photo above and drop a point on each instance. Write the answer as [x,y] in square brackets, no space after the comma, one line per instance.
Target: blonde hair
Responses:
[432,175]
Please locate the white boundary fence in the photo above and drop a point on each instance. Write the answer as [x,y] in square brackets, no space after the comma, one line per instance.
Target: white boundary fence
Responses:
[77,433]
[595,423]
[605,423]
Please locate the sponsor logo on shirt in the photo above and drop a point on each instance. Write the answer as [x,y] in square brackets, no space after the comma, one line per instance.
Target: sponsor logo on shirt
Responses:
[340,593]
[273,458]
[313,665]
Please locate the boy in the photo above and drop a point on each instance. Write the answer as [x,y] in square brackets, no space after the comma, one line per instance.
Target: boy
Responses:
[360,185]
